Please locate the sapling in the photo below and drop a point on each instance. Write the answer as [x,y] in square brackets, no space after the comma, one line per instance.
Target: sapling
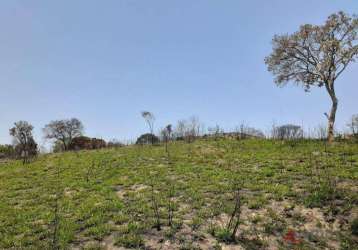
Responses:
[155,207]
[89,171]
[170,205]
[234,221]
[166,134]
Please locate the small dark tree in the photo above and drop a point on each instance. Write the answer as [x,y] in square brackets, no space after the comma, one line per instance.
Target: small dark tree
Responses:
[316,56]
[146,139]
[64,131]
[166,133]
[25,145]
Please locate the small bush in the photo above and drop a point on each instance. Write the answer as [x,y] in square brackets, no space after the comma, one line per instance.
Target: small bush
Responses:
[147,139]
[319,198]
[131,240]
[223,235]
[196,223]
[98,232]
[256,203]
[354,227]
[7,151]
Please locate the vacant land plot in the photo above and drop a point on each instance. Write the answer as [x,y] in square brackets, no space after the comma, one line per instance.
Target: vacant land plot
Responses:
[294,195]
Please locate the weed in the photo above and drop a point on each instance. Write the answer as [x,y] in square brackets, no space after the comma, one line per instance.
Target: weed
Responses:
[130,240]
[223,235]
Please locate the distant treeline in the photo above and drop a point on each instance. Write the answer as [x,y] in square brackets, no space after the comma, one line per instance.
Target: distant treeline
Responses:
[68,134]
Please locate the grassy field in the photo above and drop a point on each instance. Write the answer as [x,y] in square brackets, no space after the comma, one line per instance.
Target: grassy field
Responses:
[294,195]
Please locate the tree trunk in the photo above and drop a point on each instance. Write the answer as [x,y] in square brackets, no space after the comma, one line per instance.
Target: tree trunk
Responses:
[64,145]
[332,115]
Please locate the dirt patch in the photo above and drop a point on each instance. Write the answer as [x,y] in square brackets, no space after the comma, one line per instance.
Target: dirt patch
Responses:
[220,162]
[108,244]
[120,192]
[139,187]
[349,185]
[209,151]
[68,192]
[231,247]
[155,239]
[310,223]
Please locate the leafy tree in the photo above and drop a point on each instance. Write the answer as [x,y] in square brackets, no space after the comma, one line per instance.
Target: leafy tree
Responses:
[64,131]
[147,139]
[25,145]
[316,56]
[288,131]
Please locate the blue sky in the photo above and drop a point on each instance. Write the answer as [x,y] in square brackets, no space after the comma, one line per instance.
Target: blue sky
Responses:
[105,61]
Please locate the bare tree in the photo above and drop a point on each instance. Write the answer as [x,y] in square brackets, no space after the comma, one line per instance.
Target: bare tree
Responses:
[149,119]
[193,129]
[254,132]
[353,124]
[189,129]
[64,131]
[195,125]
[216,131]
[180,129]
[245,131]
[316,56]
[25,145]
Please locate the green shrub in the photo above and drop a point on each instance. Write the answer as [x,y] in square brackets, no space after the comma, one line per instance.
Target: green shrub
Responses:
[354,226]
[131,240]
[223,235]
[7,151]
[257,202]
[320,197]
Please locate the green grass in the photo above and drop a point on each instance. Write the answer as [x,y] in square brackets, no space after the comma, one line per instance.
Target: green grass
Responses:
[102,193]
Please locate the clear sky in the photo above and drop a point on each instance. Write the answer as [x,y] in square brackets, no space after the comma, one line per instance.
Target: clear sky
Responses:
[105,61]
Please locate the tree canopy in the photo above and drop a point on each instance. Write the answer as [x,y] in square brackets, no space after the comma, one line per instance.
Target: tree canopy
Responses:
[64,130]
[316,55]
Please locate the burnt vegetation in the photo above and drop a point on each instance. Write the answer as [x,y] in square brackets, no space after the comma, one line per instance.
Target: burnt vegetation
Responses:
[188,187]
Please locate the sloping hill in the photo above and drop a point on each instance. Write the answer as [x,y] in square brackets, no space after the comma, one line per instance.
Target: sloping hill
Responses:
[293,194]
